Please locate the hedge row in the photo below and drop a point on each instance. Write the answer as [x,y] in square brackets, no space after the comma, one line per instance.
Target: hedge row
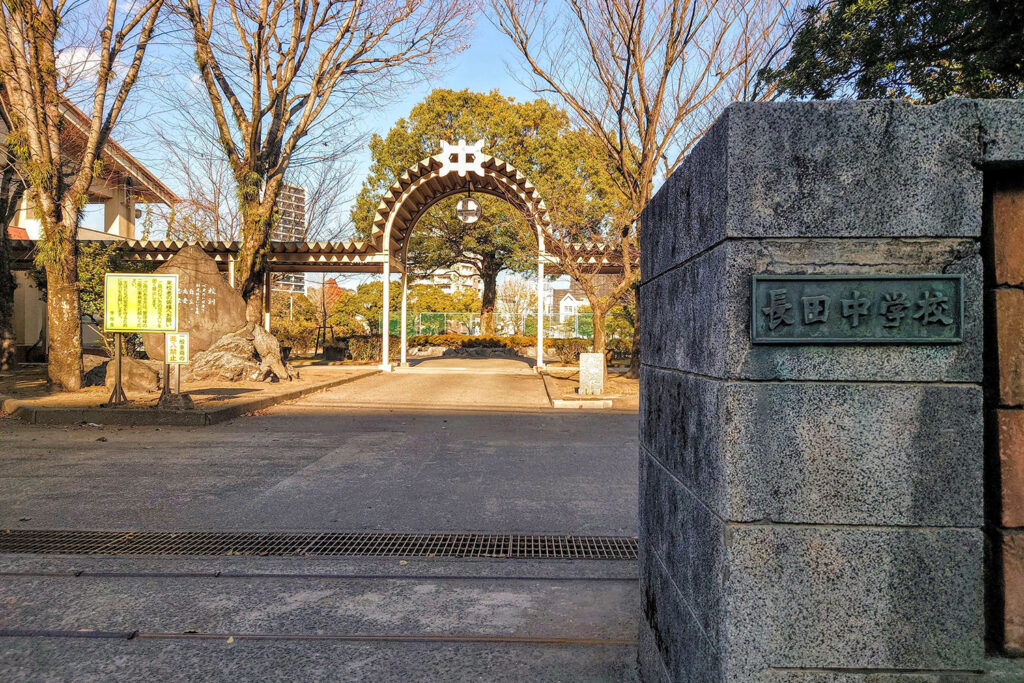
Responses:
[467,341]
[368,347]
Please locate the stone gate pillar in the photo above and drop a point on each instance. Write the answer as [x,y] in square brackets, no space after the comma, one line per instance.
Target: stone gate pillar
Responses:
[811,502]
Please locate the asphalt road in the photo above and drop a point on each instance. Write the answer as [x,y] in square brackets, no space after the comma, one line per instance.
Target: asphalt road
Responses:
[408,462]
[421,450]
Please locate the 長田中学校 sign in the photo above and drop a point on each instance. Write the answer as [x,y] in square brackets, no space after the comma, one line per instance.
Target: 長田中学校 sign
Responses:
[857,309]
[140,302]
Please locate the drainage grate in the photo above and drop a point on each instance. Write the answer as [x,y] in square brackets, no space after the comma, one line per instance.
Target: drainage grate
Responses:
[314,544]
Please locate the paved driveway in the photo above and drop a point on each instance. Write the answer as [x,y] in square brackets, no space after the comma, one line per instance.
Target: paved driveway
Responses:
[423,451]
[429,449]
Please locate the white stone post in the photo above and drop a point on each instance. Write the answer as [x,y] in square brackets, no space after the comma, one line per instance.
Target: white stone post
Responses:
[231,271]
[385,362]
[540,313]
[405,303]
[267,279]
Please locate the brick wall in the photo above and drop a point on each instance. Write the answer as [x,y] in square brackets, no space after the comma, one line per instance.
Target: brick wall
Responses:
[1006,397]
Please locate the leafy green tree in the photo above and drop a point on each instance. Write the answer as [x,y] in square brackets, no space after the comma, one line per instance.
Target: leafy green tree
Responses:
[529,135]
[293,319]
[923,50]
[360,312]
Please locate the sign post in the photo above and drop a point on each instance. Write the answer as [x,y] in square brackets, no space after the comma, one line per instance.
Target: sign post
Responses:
[176,353]
[134,302]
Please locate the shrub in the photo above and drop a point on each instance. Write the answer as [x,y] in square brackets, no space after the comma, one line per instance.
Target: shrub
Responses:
[465,341]
[619,349]
[569,350]
[367,347]
[298,334]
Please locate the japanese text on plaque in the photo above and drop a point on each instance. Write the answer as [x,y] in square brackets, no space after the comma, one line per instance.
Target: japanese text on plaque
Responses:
[857,309]
[140,303]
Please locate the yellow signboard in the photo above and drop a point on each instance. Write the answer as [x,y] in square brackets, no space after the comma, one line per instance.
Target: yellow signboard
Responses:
[176,351]
[140,303]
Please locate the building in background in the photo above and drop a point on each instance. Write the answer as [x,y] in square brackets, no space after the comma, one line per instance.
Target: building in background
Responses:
[122,183]
[566,298]
[290,227]
[454,279]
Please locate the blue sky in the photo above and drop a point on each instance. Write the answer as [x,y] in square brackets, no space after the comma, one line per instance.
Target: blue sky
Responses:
[481,67]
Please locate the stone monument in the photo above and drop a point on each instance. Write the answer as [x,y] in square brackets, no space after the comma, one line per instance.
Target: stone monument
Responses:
[812,433]
[592,373]
[208,307]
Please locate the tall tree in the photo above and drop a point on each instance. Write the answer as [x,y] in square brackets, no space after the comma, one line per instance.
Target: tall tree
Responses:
[532,136]
[11,190]
[59,148]
[274,70]
[645,77]
[924,50]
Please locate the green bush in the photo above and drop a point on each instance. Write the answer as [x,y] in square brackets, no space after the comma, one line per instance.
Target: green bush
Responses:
[466,341]
[619,349]
[367,347]
[569,350]
[298,334]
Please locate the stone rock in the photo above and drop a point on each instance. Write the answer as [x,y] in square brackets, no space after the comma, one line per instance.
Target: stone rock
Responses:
[269,350]
[95,370]
[231,358]
[136,375]
[237,356]
[176,402]
[208,307]
[1010,334]
[592,373]
[1011,459]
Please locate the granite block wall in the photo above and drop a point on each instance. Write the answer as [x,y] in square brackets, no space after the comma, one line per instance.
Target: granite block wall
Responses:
[815,512]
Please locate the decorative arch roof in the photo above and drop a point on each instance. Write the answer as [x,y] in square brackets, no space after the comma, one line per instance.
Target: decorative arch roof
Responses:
[457,169]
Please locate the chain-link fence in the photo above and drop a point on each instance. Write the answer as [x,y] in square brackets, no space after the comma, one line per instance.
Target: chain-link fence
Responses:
[580,325]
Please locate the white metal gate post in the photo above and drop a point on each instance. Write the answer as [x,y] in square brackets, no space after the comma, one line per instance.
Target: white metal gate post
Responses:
[385,357]
[405,305]
[268,278]
[540,313]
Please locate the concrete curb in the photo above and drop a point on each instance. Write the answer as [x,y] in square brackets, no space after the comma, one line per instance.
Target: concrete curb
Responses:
[139,417]
[575,404]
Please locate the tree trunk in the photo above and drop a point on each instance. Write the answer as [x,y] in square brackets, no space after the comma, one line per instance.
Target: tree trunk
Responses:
[488,298]
[11,192]
[7,285]
[64,322]
[599,333]
[251,268]
[634,358]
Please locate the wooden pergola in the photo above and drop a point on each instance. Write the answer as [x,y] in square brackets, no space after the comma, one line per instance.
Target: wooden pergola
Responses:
[456,170]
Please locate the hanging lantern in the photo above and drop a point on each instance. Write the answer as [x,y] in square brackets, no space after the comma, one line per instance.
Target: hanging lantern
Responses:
[468,210]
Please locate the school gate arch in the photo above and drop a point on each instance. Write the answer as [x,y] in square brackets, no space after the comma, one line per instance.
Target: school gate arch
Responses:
[458,168]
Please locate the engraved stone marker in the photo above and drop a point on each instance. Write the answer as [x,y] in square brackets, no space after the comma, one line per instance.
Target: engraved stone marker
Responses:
[592,370]
[857,309]
[208,307]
